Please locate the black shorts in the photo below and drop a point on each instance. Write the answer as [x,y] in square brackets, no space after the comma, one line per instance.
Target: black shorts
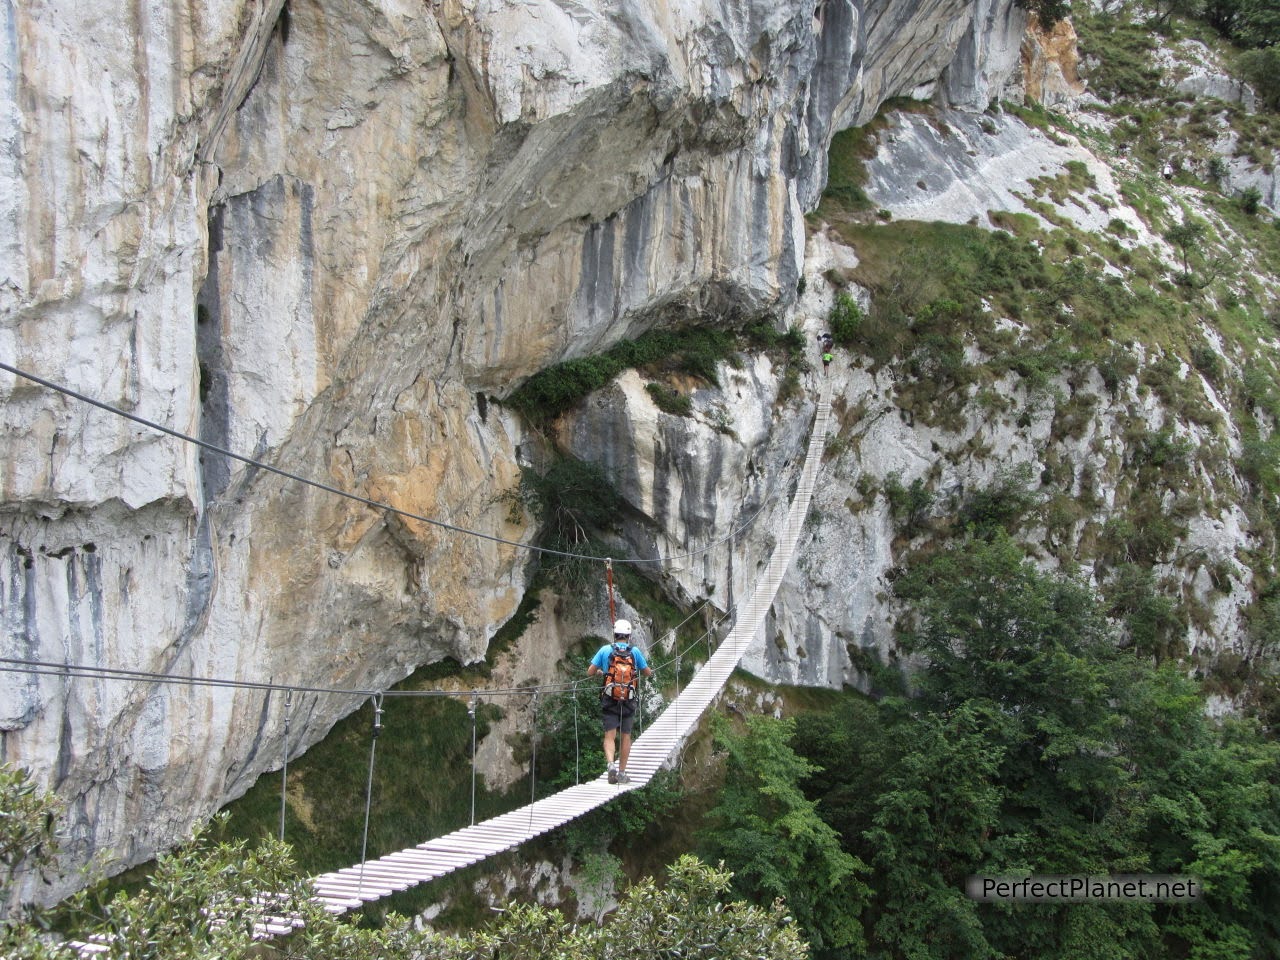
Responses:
[617,714]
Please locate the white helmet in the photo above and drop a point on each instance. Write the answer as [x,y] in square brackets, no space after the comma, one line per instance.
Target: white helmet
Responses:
[622,628]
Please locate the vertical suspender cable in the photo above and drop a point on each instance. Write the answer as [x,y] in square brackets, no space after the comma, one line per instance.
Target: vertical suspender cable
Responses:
[284,767]
[639,706]
[533,762]
[577,753]
[368,789]
[471,709]
[675,706]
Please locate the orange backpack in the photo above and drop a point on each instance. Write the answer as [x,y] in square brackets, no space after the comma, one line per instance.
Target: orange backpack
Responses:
[620,678]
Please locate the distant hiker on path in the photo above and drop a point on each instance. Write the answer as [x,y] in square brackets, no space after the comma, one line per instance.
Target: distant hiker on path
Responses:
[827,344]
[622,665]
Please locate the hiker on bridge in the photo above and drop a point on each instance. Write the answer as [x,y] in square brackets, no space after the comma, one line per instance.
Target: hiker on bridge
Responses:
[828,343]
[621,664]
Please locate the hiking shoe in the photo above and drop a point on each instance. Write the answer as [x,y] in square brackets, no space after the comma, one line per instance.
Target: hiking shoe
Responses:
[613,773]
[622,778]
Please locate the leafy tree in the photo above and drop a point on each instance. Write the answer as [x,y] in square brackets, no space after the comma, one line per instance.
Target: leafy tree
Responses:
[845,320]
[1257,23]
[909,504]
[852,750]
[1150,619]
[202,901]
[1262,69]
[992,627]
[1222,15]
[934,812]
[573,500]
[1251,197]
[1186,236]
[1165,9]
[1204,802]
[1003,504]
[770,834]
[28,816]
[688,917]
[1106,764]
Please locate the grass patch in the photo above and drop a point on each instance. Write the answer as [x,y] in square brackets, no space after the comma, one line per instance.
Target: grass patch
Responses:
[694,350]
[846,170]
[1074,180]
[669,400]
[1049,122]
[787,346]
[691,350]
[1018,224]
[1123,51]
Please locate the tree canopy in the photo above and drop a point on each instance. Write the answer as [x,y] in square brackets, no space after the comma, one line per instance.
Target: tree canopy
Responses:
[1037,743]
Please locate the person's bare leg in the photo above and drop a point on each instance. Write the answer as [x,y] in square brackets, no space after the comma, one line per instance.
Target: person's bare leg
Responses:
[608,747]
[626,750]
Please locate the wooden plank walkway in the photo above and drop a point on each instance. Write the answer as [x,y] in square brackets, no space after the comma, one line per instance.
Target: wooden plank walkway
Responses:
[348,888]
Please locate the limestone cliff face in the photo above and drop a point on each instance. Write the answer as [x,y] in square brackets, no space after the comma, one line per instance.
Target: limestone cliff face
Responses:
[324,234]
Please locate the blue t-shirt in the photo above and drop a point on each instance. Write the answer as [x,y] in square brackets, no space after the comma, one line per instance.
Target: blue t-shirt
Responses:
[601,659]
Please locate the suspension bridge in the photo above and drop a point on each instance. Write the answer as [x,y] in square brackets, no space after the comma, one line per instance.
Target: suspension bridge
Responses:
[350,887]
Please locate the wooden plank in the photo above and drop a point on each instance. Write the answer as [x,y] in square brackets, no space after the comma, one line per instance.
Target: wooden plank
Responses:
[366,890]
[453,861]
[386,876]
[338,900]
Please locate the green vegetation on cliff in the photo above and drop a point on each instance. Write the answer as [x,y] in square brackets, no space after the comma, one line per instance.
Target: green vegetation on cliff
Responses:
[691,350]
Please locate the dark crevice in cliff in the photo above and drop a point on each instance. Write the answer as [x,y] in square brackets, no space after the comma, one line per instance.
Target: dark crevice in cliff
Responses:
[214,402]
[18,614]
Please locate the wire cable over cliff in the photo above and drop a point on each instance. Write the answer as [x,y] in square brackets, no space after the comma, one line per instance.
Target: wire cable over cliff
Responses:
[375,504]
